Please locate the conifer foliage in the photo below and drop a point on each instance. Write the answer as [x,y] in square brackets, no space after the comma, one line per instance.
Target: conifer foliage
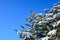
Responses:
[42,27]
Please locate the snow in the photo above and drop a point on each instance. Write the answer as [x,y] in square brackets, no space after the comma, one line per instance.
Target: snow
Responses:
[52,32]
[45,38]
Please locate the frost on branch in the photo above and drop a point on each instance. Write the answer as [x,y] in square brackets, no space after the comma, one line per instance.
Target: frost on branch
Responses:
[42,27]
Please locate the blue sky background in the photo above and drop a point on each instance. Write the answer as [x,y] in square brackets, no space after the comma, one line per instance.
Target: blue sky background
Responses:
[14,12]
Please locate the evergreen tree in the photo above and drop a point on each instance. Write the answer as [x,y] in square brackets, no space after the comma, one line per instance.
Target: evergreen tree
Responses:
[42,27]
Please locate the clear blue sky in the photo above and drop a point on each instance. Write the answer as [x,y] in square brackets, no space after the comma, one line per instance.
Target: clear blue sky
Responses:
[14,12]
